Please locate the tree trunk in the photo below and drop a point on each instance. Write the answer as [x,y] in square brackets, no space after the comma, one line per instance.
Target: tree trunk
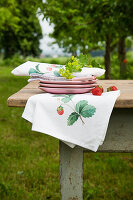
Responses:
[122,57]
[74,53]
[83,49]
[107,58]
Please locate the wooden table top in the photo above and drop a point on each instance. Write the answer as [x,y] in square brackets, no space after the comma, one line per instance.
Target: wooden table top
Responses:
[125,100]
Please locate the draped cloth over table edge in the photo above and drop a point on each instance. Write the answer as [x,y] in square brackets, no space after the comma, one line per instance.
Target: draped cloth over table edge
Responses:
[41,111]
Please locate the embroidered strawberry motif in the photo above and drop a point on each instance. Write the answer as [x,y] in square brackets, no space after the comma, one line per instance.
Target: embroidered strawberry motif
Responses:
[60,110]
[97,91]
[112,88]
[50,68]
[99,86]
[53,65]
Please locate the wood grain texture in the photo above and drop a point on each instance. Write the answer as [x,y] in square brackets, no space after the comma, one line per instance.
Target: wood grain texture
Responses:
[125,100]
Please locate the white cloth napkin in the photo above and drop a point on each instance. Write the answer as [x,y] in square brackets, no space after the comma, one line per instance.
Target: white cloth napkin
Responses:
[80,119]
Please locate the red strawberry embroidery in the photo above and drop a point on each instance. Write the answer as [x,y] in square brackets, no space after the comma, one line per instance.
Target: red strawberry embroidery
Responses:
[50,69]
[60,110]
[53,65]
[99,86]
[112,88]
[97,91]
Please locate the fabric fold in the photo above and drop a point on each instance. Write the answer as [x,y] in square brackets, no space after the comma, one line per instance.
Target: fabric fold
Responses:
[80,119]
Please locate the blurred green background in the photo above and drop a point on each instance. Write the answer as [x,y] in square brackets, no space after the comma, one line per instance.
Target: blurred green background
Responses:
[29,161]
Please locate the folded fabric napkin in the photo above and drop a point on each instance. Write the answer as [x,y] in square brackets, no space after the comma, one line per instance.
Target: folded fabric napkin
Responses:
[46,76]
[89,73]
[80,119]
[52,77]
[29,67]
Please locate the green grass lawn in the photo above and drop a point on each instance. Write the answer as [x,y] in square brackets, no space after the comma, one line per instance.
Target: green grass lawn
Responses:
[29,161]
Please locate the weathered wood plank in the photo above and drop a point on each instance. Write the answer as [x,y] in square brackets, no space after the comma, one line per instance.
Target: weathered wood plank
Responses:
[125,100]
[71,172]
[20,98]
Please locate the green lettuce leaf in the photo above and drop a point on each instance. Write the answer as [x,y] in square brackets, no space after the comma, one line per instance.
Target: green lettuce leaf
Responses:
[84,59]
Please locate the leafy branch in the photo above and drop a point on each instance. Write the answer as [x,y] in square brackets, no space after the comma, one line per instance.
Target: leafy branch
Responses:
[75,64]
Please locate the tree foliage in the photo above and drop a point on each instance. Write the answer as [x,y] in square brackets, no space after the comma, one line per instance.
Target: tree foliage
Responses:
[83,25]
[20,30]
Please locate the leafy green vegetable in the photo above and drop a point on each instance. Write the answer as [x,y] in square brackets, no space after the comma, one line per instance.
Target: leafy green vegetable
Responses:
[73,117]
[95,64]
[84,59]
[72,66]
[76,64]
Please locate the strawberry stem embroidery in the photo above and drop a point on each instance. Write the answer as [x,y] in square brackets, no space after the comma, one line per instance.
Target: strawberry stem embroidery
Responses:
[68,106]
[81,109]
[82,120]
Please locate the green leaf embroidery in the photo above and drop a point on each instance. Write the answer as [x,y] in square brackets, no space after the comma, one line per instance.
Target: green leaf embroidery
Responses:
[88,111]
[59,95]
[59,66]
[67,98]
[80,105]
[37,67]
[82,109]
[56,73]
[73,117]
[70,95]
[33,71]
